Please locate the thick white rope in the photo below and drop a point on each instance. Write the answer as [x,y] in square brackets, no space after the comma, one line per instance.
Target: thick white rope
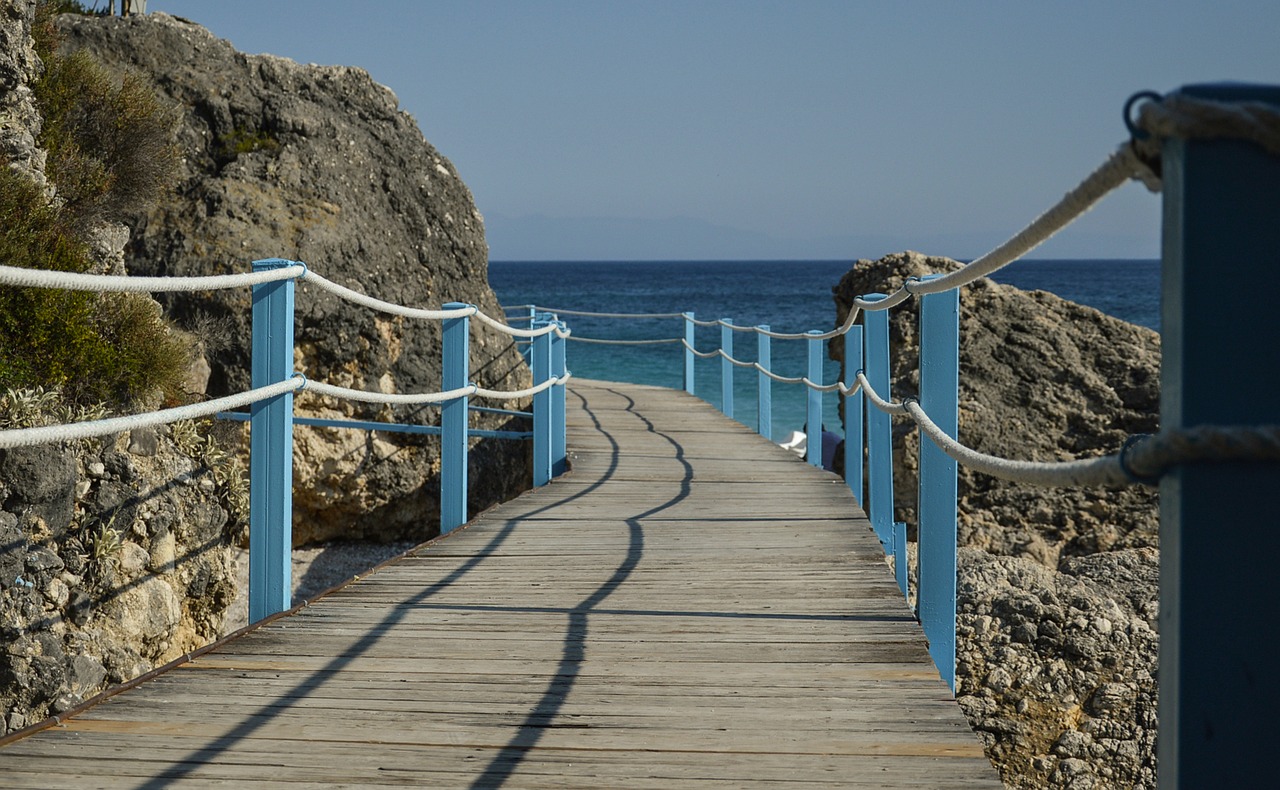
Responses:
[343,292]
[697,353]
[558,311]
[601,341]
[70,281]
[1111,174]
[471,390]
[1178,115]
[508,330]
[481,392]
[26,437]
[364,396]
[1143,460]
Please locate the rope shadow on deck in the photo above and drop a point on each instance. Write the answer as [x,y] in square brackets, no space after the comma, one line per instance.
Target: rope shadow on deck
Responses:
[535,725]
[553,698]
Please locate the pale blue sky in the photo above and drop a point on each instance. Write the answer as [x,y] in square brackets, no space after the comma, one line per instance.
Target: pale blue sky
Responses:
[803,129]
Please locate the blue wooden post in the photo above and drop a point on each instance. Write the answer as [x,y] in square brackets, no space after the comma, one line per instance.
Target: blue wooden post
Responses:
[813,401]
[689,335]
[455,373]
[902,559]
[939,393]
[559,441]
[726,368]
[879,429]
[542,416]
[853,414]
[271,449]
[1219,686]
[764,385]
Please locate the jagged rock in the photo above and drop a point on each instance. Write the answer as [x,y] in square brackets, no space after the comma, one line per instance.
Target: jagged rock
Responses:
[1058,594]
[318,163]
[1043,379]
[1056,670]
[19,65]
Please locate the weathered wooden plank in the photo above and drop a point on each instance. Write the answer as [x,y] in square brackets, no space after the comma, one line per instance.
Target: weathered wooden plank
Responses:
[691,607]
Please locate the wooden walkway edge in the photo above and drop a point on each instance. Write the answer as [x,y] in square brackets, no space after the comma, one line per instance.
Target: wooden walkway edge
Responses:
[690,607]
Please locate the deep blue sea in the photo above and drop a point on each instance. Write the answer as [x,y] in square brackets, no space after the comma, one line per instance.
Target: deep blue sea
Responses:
[789,296]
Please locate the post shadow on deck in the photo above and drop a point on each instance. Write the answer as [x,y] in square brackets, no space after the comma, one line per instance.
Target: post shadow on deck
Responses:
[1219,688]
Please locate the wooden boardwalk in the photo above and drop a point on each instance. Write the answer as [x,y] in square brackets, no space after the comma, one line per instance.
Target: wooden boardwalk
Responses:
[690,607]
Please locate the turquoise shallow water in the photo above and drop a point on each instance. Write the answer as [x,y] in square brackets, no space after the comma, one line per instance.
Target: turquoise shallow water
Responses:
[789,296]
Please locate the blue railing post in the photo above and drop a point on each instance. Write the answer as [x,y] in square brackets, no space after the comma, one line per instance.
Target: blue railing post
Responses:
[559,440]
[455,373]
[764,385]
[879,429]
[1219,688]
[813,401]
[939,393]
[853,414]
[726,368]
[271,449]
[689,335]
[542,411]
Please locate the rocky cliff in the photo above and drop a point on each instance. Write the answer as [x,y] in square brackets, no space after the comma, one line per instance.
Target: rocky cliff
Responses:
[319,164]
[1058,589]
[114,553]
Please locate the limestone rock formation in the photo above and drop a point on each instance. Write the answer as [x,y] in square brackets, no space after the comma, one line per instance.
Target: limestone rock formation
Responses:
[1041,379]
[19,118]
[318,164]
[1057,593]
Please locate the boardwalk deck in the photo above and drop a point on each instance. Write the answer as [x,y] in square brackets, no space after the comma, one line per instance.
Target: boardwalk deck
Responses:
[690,607]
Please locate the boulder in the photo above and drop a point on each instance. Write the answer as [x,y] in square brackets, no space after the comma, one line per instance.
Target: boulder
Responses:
[319,164]
[1041,379]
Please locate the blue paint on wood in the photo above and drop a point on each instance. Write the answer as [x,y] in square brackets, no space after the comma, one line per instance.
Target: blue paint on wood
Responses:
[271,449]
[764,385]
[1219,689]
[853,414]
[813,401]
[456,372]
[542,416]
[939,393]
[689,335]
[726,368]
[879,429]
[901,559]
[559,440]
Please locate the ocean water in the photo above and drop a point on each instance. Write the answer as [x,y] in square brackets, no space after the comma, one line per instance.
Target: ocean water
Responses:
[788,296]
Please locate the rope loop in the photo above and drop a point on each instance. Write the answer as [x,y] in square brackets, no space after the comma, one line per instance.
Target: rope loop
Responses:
[1135,130]
[1126,461]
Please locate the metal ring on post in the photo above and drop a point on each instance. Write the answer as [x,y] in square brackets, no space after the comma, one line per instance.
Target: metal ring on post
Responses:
[1137,132]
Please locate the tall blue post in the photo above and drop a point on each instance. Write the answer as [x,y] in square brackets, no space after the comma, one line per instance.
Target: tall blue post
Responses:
[939,394]
[764,385]
[879,429]
[271,449]
[559,441]
[689,335]
[853,414]
[455,373]
[542,412]
[813,401]
[726,368]
[1219,688]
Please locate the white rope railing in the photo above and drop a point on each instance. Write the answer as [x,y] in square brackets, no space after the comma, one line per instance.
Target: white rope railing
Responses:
[27,437]
[646,342]
[71,281]
[1111,174]
[364,300]
[402,399]
[1142,460]
[585,313]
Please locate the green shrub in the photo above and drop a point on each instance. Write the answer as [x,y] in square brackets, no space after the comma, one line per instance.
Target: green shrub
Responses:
[243,141]
[111,150]
[110,143]
[111,348]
